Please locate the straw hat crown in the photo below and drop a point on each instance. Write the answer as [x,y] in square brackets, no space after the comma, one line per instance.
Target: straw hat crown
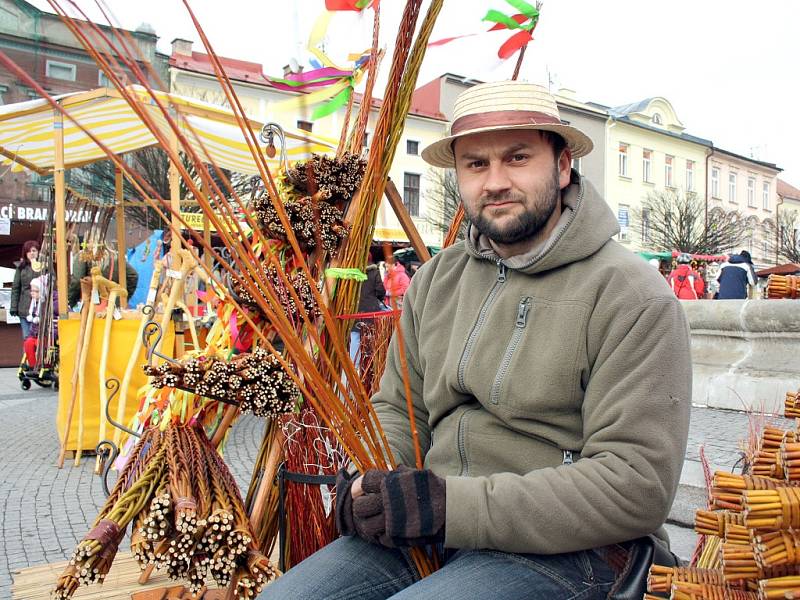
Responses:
[500,106]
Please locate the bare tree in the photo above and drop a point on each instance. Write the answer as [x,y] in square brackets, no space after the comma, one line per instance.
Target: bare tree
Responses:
[97,180]
[784,242]
[677,220]
[442,198]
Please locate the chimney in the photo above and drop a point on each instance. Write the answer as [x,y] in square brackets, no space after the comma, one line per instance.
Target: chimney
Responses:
[292,67]
[182,47]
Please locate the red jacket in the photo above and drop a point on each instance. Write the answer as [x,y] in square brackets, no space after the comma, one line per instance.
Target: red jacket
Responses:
[686,283]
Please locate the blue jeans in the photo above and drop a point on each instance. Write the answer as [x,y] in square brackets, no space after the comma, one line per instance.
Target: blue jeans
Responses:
[26,327]
[351,569]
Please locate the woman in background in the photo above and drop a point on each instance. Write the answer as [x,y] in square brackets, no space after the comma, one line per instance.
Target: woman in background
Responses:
[21,288]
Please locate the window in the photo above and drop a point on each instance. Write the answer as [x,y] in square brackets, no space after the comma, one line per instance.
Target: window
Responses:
[411,193]
[657,119]
[715,182]
[623,220]
[365,141]
[765,248]
[103,80]
[732,187]
[668,171]
[645,225]
[689,175]
[59,70]
[576,164]
[412,147]
[751,192]
[3,90]
[647,156]
[623,160]
[305,125]
[765,196]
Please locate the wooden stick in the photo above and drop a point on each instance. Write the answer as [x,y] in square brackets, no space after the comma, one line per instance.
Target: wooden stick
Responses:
[134,357]
[188,263]
[82,364]
[109,316]
[86,291]
[264,486]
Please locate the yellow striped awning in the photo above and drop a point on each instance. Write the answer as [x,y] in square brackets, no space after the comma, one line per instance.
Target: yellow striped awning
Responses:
[27,130]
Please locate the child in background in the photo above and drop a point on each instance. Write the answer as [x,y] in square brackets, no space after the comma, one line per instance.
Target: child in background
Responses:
[32,318]
[38,292]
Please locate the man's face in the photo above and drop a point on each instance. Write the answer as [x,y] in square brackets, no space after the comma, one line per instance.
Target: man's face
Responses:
[510,182]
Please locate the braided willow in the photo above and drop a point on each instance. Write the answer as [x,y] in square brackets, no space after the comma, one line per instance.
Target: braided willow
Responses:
[188,515]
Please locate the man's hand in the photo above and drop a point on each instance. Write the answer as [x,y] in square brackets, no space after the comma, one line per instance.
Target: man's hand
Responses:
[405,507]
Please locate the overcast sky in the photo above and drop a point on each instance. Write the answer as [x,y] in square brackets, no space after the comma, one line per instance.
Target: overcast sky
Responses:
[728,67]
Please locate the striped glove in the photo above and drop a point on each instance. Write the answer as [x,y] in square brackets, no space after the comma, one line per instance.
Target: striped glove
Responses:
[405,507]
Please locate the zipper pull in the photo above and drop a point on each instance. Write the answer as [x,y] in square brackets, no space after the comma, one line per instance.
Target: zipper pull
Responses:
[568,460]
[522,312]
[501,272]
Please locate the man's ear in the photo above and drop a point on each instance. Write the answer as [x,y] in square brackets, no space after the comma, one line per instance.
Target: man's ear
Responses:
[564,168]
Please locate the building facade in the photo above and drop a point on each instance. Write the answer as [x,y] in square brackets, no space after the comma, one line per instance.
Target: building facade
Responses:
[45,48]
[191,74]
[749,187]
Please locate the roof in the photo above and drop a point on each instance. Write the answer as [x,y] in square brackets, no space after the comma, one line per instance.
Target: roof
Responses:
[681,136]
[251,72]
[239,70]
[748,159]
[26,131]
[786,190]
[627,109]
[785,269]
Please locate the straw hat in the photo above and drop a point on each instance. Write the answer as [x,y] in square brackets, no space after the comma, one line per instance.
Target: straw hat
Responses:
[504,105]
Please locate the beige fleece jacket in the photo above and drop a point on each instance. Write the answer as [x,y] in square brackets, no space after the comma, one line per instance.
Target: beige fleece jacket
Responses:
[579,346]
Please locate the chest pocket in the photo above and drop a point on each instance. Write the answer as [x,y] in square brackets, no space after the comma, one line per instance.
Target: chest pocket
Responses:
[540,367]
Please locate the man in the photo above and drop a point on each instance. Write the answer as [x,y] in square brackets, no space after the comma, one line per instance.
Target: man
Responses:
[543,360]
[686,283]
[735,275]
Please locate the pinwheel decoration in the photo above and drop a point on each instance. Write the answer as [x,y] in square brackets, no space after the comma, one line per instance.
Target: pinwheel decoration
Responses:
[524,22]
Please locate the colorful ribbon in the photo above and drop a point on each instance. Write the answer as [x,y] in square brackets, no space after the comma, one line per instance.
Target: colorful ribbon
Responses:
[341,273]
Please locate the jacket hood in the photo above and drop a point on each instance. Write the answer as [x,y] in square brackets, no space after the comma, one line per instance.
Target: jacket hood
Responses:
[586,224]
[736,259]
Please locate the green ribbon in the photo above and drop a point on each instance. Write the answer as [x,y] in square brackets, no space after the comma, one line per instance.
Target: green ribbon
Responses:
[333,104]
[339,273]
[495,16]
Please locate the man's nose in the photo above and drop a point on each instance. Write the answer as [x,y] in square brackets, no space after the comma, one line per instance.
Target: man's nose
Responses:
[496,178]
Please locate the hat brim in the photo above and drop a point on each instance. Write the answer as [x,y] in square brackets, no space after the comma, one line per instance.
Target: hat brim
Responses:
[440,153]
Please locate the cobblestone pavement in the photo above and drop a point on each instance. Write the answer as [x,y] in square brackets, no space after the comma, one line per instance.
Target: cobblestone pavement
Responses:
[45,511]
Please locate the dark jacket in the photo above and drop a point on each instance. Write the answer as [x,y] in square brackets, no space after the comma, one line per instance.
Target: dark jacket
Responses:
[108,270]
[734,275]
[372,291]
[21,289]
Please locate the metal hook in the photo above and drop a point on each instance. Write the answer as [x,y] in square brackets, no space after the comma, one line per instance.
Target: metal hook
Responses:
[113,383]
[267,135]
[151,328]
[113,454]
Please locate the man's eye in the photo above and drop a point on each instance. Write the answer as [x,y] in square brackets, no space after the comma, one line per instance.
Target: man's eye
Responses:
[476,164]
[519,157]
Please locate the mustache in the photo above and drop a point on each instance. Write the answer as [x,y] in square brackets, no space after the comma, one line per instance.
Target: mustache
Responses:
[506,196]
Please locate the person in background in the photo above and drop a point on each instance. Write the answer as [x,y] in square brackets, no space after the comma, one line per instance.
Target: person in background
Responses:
[370,301]
[21,288]
[396,282]
[34,318]
[735,275]
[686,283]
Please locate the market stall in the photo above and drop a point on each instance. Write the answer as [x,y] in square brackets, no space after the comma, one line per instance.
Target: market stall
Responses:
[35,137]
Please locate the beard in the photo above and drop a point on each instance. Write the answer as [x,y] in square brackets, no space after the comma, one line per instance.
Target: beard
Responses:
[524,226]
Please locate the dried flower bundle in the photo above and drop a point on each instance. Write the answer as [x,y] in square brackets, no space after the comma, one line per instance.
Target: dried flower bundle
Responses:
[256,381]
[337,177]
[313,219]
[299,283]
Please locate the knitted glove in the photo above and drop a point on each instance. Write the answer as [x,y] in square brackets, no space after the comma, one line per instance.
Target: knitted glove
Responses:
[344,502]
[405,507]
